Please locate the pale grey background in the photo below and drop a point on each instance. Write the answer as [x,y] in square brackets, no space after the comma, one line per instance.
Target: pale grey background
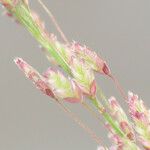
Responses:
[118,29]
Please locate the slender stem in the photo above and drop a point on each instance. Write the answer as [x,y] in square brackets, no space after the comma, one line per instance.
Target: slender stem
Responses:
[119,87]
[88,108]
[79,122]
[54,21]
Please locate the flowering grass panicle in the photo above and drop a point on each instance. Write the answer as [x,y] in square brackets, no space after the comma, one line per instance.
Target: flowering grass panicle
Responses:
[77,83]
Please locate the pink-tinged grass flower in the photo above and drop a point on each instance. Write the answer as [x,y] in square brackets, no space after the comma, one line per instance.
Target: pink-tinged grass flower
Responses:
[84,77]
[121,118]
[91,58]
[53,83]
[34,76]
[141,117]
[127,141]
[63,87]
[117,140]
[120,143]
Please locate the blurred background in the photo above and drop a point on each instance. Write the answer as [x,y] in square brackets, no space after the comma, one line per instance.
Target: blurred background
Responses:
[118,30]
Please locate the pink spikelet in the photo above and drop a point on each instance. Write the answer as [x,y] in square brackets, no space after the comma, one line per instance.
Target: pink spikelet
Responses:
[117,140]
[119,115]
[120,143]
[141,117]
[63,87]
[126,141]
[91,58]
[34,76]
[83,76]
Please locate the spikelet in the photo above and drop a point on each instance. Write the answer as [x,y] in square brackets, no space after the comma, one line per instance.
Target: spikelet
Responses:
[121,118]
[127,141]
[84,77]
[141,117]
[34,76]
[63,87]
[91,58]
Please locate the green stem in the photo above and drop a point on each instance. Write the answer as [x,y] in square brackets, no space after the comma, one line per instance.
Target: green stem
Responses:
[107,117]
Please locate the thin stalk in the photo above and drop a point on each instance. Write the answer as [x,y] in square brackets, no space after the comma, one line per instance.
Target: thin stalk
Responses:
[54,21]
[119,87]
[79,122]
[88,108]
